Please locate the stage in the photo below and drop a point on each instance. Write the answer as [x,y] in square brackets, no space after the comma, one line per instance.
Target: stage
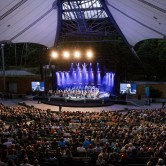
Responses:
[103,100]
[81,85]
[77,102]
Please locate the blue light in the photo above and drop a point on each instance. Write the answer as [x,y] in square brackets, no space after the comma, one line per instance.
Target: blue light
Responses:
[82,75]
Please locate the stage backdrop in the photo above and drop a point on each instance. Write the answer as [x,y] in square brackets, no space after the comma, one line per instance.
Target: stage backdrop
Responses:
[81,75]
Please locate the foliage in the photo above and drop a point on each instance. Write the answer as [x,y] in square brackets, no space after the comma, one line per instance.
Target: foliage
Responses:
[25,55]
[153,54]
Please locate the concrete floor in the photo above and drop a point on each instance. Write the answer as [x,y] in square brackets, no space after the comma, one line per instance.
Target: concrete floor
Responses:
[115,107]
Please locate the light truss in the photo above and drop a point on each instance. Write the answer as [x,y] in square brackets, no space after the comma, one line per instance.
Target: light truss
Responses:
[85,20]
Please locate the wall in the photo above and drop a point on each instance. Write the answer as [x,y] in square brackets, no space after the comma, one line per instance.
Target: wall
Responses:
[161,86]
[23,83]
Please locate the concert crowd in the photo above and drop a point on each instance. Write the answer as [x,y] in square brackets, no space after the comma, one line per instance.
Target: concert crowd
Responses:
[32,136]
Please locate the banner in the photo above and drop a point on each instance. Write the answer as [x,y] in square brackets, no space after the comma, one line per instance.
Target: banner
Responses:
[147,91]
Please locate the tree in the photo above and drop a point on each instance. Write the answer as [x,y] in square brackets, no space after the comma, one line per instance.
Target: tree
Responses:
[153,55]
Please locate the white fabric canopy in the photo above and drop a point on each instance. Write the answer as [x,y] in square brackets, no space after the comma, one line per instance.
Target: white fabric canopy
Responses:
[33,21]
[139,19]
[36,21]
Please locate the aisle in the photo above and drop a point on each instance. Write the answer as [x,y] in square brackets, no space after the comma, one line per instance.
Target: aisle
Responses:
[115,107]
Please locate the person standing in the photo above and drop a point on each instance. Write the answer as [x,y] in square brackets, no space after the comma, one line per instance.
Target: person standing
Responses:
[163,104]
[60,108]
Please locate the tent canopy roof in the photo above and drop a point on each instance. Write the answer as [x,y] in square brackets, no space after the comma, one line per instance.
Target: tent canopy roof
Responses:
[139,19]
[36,21]
[28,21]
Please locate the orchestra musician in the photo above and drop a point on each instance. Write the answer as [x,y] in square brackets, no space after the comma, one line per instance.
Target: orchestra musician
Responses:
[78,92]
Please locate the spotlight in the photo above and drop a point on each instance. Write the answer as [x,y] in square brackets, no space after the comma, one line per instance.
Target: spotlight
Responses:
[77,54]
[66,54]
[54,54]
[89,54]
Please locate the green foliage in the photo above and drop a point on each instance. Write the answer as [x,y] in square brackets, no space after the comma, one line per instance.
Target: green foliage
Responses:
[25,55]
[153,54]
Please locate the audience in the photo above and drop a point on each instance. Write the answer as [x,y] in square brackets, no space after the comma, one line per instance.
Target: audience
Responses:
[32,136]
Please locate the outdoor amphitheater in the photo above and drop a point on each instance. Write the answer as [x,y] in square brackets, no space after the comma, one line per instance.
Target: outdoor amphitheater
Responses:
[82,83]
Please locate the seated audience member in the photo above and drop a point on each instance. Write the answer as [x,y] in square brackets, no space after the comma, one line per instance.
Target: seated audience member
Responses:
[25,162]
[160,162]
[100,161]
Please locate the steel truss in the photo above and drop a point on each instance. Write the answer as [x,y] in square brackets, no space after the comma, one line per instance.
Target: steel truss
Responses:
[85,20]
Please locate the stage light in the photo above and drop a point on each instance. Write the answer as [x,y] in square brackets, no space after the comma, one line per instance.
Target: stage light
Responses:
[77,54]
[89,54]
[54,54]
[66,54]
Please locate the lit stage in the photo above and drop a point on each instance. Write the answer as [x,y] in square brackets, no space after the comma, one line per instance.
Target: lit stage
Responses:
[82,85]
[102,100]
[102,95]
[75,102]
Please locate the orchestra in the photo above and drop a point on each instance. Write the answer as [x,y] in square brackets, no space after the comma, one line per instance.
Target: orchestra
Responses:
[77,92]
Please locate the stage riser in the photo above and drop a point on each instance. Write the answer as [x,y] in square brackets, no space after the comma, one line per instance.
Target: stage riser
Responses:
[78,102]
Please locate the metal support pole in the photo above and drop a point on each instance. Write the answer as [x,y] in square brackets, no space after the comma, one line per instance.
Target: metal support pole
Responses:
[3,68]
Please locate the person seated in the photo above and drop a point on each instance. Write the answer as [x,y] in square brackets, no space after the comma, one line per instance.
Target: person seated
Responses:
[100,160]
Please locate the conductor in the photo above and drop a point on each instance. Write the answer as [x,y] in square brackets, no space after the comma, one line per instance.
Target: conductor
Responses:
[60,108]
